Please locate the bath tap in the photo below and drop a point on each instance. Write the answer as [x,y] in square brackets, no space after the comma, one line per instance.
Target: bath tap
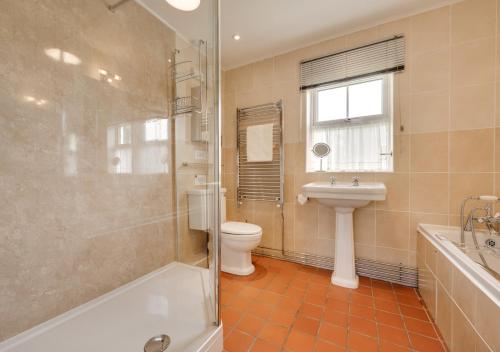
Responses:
[488,219]
[333,180]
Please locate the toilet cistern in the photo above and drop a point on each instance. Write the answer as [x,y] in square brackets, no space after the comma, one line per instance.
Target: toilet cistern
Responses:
[345,197]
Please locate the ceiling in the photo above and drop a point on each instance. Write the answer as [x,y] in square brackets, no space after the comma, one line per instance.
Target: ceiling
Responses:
[271,27]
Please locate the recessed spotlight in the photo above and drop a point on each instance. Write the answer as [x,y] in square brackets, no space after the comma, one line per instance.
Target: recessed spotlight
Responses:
[109,80]
[103,72]
[117,78]
[29,98]
[236,37]
[185,5]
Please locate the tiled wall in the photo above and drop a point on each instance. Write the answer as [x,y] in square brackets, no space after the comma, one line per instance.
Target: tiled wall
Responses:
[467,318]
[446,142]
[71,228]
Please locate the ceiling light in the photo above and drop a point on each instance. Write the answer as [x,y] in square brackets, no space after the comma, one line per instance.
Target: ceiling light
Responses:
[103,72]
[110,80]
[117,78]
[29,98]
[185,5]
[236,37]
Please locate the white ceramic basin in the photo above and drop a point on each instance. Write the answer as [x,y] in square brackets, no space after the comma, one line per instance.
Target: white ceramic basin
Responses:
[343,194]
[344,197]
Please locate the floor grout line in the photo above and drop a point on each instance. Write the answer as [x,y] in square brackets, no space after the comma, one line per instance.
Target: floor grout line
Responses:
[317,292]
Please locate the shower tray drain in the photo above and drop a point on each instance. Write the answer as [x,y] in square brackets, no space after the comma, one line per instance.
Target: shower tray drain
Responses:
[158,343]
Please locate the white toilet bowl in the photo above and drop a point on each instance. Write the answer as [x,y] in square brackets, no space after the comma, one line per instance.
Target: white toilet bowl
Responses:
[237,238]
[237,241]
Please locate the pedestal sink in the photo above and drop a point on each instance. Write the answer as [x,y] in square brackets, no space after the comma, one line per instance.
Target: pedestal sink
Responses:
[344,197]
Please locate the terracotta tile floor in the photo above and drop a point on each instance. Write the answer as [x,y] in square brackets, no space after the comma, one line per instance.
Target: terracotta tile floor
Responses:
[290,307]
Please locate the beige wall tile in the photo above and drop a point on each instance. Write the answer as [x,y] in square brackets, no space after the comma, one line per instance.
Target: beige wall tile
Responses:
[398,197]
[229,182]
[473,107]
[401,113]
[426,280]
[324,48]
[430,30]
[487,319]
[402,26]
[401,153]
[430,257]
[229,121]
[444,308]
[392,229]
[229,160]
[364,226]
[262,72]
[430,71]
[430,112]
[429,152]
[464,185]
[363,37]
[444,272]
[286,68]
[391,255]
[326,222]
[429,192]
[473,19]
[423,218]
[497,151]
[243,79]
[473,62]
[306,220]
[464,293]
[471,151]
[463,334]
[364,251]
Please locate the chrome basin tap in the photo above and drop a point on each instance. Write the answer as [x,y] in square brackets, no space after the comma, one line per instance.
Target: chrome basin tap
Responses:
[355,181]
[333,180]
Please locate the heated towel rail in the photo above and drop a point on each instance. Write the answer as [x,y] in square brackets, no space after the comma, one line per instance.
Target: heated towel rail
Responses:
[260,180]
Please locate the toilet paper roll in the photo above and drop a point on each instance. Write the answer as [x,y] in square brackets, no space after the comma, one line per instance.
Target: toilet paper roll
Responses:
[302,199]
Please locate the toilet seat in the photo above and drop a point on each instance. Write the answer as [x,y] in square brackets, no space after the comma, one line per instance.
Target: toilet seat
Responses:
[235,228]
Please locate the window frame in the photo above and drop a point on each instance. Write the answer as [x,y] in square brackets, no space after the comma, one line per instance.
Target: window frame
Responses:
[387,113]
[386,100]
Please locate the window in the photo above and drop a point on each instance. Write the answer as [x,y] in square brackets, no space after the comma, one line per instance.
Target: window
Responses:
[355,119]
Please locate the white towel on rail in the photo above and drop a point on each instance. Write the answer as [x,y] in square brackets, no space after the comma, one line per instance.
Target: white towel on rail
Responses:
[260,143]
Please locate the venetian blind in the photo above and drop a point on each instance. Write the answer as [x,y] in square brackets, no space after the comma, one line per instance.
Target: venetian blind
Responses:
[376,58]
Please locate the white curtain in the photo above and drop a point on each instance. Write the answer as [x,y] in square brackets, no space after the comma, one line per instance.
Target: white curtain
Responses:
[354,146]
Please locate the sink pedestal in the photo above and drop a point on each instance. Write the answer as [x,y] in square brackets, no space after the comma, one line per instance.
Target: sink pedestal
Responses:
[345,197]
[345,272]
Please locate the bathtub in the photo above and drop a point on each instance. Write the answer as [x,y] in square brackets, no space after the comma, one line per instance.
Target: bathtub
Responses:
[173,300]
[461,295]
[445,239]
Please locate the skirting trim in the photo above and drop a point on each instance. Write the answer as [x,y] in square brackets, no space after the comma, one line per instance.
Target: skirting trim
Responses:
[396,273]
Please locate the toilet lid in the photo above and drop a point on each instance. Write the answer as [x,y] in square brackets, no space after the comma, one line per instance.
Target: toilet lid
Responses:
[240,228]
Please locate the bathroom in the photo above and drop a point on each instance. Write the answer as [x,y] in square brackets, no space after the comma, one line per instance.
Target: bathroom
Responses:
[205,175]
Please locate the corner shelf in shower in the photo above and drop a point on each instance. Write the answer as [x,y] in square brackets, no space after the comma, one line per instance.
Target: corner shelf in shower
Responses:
[186,105]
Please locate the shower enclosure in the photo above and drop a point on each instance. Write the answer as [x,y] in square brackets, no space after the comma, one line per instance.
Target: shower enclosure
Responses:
[109,114]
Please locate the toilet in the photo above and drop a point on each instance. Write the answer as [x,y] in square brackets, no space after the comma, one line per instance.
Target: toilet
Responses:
[237,238]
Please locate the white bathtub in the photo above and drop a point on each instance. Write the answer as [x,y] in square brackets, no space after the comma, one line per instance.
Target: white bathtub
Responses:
[445,237]
[173,300]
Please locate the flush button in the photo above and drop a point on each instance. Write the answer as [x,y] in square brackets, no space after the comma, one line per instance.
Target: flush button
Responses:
[157,343]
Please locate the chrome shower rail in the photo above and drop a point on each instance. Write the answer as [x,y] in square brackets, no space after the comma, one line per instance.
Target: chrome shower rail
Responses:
[260,180]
